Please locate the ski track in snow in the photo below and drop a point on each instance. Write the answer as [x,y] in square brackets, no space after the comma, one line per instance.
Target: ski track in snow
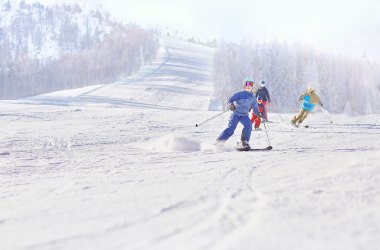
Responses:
[122,166]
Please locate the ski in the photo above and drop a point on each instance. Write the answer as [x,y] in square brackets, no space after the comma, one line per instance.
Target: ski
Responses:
[254,149]
[299,126]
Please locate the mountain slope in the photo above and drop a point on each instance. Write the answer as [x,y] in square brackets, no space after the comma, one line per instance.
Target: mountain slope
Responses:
[122,166]
[44,48]
[178,79]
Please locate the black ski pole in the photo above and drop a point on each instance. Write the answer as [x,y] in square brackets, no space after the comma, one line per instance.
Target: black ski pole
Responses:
[209,119]
[327,114]
[266,132]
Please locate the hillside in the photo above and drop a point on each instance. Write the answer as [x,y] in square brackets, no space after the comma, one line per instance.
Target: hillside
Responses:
[122,166]
[44,48]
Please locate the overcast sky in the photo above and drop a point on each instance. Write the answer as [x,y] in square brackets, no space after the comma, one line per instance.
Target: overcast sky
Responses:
[348,26]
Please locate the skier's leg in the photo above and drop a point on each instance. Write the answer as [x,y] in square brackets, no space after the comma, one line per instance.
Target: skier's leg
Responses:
[265,110]
[301,114]
[229,131]
[298,116]
[305,114]
[257,122]
[246,132]
[294,119]
[253,119]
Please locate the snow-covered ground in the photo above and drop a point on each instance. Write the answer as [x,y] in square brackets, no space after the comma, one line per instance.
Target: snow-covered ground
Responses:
[122,166]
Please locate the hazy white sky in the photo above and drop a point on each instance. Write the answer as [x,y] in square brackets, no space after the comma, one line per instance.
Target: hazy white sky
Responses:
[335,25]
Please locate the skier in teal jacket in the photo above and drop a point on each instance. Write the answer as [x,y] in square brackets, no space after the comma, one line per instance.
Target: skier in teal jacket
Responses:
[310,99]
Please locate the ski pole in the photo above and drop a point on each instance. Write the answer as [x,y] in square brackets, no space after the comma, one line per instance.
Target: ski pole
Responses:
[280,117]
[266,132]
[209,119]
[327,114]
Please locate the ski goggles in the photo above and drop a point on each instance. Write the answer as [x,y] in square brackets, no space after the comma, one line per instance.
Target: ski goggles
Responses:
[249,83]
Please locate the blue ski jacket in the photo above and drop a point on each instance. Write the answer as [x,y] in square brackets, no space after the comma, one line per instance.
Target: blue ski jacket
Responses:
[244,102]
[307,105]
[309,100]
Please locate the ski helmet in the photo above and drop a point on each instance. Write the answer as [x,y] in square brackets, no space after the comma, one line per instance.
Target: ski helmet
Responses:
[259,99]
[248,81]
[262,84]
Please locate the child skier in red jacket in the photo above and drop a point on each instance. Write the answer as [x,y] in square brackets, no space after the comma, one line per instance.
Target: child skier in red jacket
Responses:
[257,119]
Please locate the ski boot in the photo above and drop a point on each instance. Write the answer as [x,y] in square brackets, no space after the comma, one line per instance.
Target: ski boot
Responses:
[245,145]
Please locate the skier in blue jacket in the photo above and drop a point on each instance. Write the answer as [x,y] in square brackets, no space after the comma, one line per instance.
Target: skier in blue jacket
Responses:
[241,103]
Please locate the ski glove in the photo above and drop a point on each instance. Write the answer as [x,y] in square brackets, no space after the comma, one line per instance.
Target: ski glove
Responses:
[320,103]
[232,107]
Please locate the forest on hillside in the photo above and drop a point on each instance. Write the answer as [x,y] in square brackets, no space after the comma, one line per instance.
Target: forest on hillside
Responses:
[345,84]
[54,47]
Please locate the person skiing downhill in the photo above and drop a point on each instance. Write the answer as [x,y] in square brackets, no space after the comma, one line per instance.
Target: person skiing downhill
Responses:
[257,119]
[264,93]
[310,99]
[241,103]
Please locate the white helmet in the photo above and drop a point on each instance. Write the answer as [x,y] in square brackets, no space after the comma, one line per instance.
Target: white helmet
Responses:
[310,90]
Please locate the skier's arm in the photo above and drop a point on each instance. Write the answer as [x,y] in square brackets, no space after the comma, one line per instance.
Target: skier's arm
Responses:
[231,101]
[319,100]
[300,98]
[232,107]
[268,96]
[235,97]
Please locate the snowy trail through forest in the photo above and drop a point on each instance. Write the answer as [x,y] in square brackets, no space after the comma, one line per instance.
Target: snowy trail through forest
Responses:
[122,166]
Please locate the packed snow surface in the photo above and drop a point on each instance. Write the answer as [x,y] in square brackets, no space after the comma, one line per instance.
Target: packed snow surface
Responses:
[122,166]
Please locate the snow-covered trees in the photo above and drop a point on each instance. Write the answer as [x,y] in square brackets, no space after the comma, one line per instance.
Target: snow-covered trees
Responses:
[48,48]
[345,84]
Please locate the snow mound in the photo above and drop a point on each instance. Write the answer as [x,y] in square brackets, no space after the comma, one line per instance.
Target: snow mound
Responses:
[169,143]
[217,148]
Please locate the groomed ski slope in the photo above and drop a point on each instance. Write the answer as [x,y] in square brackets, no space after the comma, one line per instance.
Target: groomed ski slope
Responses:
[122,166]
